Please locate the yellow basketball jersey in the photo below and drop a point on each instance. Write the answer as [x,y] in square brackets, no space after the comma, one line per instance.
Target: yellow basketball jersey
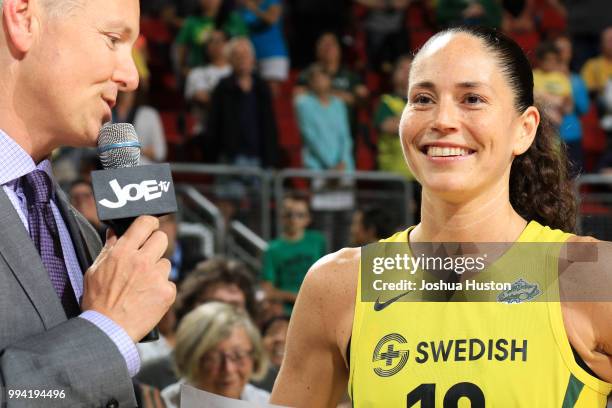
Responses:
[472,354]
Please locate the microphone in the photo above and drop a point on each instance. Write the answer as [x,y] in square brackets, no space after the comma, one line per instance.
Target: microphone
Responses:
[125,190]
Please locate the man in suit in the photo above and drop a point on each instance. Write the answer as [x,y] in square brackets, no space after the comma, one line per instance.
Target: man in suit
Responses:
[70,310]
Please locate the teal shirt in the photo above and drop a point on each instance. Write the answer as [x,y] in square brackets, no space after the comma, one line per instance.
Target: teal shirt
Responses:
[325,130]
[286,262]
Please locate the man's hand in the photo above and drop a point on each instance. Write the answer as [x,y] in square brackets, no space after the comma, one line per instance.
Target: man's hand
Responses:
[128,282]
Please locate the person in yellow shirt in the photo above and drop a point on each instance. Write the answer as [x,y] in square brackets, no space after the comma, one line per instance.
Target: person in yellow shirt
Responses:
[387,118]
[551,86]
[490,172]
[598,71]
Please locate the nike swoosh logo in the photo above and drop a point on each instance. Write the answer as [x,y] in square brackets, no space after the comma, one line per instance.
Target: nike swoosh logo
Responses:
[380,306]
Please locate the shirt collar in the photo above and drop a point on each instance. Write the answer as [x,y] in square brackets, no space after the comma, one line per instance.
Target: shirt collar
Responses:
[16,162]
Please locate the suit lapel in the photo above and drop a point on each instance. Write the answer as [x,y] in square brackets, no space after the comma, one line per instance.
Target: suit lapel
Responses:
[24,261]
[83,252]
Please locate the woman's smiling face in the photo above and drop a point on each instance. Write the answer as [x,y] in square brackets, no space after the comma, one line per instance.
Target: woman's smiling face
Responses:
[460,129]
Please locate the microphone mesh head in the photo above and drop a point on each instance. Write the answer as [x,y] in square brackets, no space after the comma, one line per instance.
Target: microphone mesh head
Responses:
[112,148]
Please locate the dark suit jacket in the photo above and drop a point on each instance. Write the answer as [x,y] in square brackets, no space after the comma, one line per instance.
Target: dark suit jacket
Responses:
[225,135]
[40,349]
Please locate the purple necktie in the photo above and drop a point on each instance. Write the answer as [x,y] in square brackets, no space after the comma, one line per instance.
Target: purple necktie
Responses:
[38,189]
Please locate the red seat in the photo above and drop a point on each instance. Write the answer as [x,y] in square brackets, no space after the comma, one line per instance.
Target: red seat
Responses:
[155,30]
[528,41]
[170,123]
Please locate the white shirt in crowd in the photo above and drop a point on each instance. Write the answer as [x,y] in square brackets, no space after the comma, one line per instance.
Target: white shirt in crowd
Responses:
[150,131]
[205,79]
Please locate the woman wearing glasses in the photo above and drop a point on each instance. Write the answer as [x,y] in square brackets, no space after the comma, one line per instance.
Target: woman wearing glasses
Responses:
[219,350]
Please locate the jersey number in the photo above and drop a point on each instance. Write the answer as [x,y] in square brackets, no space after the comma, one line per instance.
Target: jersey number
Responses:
[426,394]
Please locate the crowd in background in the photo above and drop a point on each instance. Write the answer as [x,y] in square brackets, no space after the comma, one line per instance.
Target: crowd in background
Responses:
[326,72]
[317,84]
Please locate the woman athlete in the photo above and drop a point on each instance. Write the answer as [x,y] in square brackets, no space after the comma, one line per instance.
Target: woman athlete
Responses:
[491,171]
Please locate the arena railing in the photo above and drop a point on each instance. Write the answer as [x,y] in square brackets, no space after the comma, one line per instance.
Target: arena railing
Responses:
[387,190]
[334,195]
[217,181]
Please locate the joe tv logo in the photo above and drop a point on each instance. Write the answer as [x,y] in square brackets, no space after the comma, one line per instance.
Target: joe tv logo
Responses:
[148,189]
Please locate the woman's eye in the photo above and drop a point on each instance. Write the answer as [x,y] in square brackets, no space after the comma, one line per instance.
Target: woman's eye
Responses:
[473,99]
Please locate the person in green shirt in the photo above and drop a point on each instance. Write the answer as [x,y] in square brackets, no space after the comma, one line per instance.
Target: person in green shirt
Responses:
[191,40]
[289,257]
[387,119]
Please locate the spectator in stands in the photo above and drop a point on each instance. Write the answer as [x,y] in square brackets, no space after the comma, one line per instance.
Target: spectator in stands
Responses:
[345,84]
[242,126]
[551,84]
[597,74]
[324,125]
[202,80]
[218,279]
[598,71]
[371,225]
[215,280]
[289,257]
[274,334]
[264,20]
[571,128]
[219,350]
[386,34]
[477,12]
[387,119]
[130,108]
[82,198]
[197,29]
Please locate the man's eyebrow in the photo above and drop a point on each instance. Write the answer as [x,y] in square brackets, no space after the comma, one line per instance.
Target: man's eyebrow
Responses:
[425,84]
[119,25]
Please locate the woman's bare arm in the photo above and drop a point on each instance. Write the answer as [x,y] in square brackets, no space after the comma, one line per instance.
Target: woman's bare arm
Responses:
[587,302]
[314,372]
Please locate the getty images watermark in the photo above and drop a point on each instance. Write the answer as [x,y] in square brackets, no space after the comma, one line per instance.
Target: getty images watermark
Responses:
[485,272]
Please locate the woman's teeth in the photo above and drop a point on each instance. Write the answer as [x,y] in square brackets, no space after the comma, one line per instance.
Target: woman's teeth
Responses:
[435,151]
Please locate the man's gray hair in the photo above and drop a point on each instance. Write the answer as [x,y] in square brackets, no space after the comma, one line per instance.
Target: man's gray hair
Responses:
[57,8]
[236,42]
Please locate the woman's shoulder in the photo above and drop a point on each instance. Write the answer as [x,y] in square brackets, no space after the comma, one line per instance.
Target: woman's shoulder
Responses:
[334,275]
[339,262]
[584,239]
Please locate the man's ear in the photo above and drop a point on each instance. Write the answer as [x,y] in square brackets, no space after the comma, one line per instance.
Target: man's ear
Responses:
[528,126]
[18,22]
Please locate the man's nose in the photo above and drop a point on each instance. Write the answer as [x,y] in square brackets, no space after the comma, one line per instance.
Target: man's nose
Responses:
[126,73]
